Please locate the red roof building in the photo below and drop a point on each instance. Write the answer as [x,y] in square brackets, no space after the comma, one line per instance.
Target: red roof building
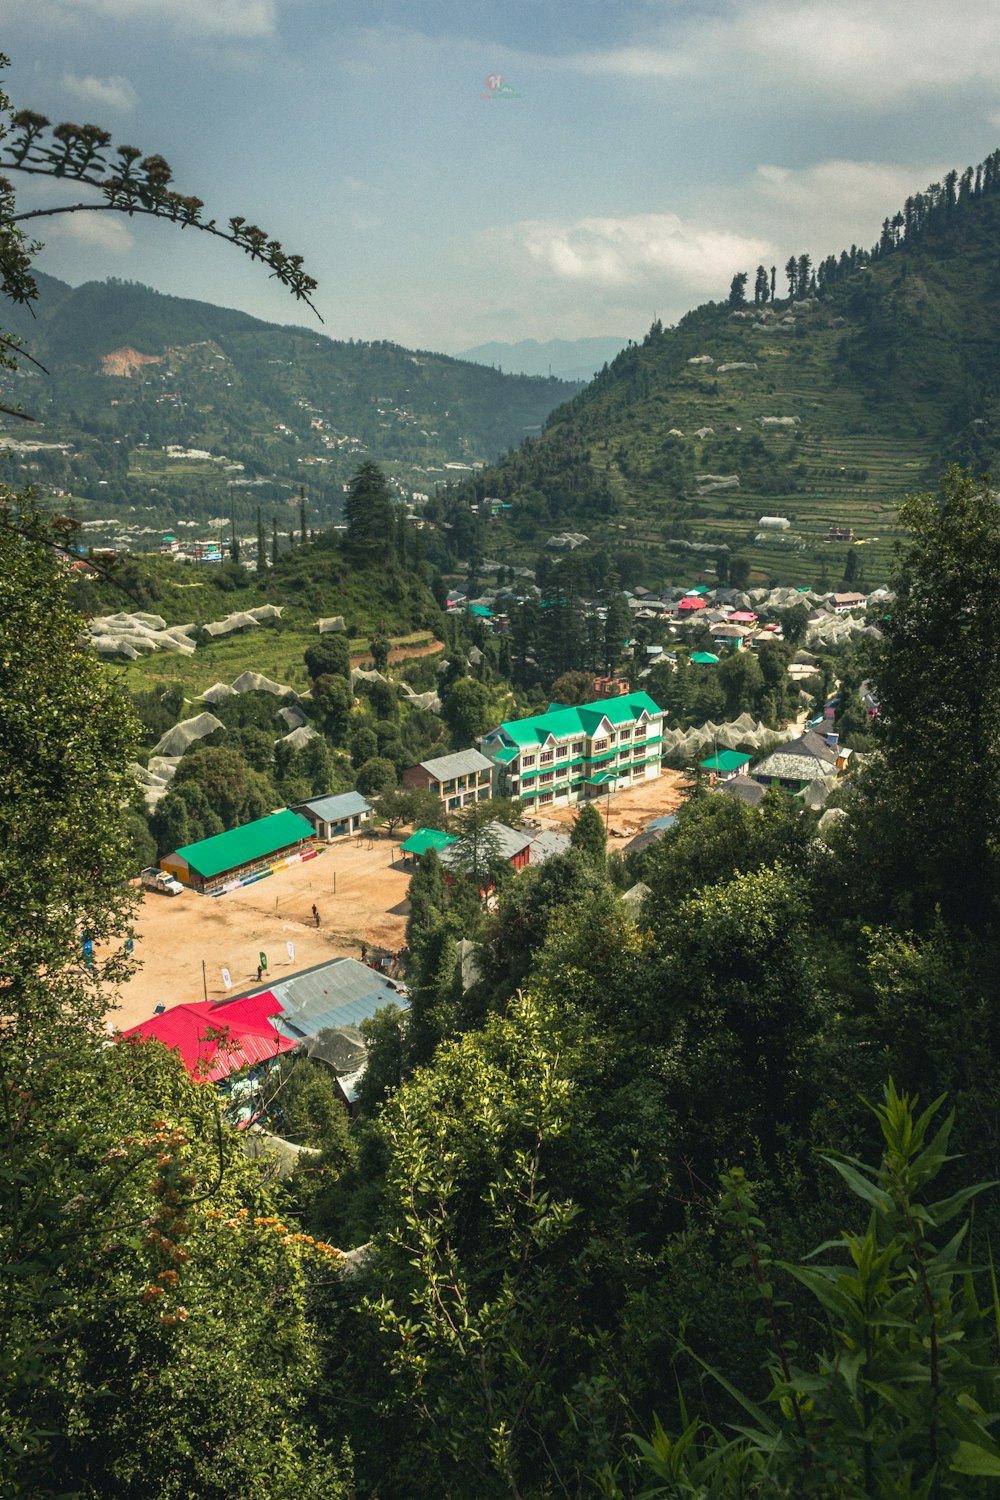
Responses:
[218,1037]
[693,602]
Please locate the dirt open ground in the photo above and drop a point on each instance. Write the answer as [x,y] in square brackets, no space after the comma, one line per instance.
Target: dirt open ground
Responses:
[360,895]
[627,812]
[359,887]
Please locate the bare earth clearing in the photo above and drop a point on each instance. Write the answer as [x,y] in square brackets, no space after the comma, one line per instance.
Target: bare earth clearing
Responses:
[174,934]
[629,810]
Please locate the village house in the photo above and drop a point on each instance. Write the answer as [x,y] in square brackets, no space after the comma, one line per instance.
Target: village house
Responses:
[336,817]
[458,779]
[842,604]
[569,754]
[724,765]
[811,757]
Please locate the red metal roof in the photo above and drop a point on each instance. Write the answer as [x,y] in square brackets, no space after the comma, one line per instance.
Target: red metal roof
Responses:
[216,1038]
[696,603]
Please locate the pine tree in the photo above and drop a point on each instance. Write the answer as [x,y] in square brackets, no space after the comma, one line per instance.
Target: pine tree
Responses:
[302,515]
[368,513]
[261,547]
[274,542]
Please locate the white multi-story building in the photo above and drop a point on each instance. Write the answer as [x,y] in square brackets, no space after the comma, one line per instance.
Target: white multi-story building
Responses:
[571,754]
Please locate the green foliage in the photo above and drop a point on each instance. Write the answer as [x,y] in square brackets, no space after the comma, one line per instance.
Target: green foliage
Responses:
[468,710]
[328,657]
[130,1227]
[235,792]
[368,513]
[589,835]
[67,732]
[376,777]
[925,831]
[903,1399]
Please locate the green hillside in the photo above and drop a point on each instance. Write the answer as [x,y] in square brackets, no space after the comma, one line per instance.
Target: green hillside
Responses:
[257,410]
[834,406]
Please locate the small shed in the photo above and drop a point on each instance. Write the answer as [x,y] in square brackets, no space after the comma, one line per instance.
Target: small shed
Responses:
[726,764]
[336,817]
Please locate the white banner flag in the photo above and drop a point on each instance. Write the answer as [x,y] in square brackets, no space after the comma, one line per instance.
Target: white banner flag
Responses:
[227,979]
[291,952]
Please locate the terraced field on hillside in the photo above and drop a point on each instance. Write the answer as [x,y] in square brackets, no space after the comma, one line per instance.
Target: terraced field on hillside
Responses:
[673,433]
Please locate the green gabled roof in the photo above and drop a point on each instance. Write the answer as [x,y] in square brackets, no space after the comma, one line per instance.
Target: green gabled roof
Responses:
[705,658]
[427,838]
[507,754]
[560,722]
[726,760]
[241,846]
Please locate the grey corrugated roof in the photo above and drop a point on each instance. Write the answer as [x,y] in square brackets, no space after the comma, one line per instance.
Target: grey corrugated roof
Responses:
[333,809]
[462,763]
[341,993]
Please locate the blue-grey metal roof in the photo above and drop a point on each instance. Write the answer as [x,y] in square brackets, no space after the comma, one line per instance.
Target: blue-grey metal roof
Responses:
[334,809]
[667,821]
[461,763]
[343,992]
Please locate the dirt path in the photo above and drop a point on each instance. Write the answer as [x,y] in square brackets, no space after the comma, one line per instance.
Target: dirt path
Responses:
[360,895]
[400,653]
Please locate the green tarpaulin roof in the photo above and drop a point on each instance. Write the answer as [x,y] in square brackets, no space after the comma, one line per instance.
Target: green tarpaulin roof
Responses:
[427,838]
[561,722]
[241,846]
[726,760]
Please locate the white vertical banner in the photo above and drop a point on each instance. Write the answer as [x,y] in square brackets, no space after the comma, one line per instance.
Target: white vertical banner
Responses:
[291,951]
[227,979]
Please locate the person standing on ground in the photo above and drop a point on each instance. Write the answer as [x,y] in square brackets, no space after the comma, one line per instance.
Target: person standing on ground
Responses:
[315,915]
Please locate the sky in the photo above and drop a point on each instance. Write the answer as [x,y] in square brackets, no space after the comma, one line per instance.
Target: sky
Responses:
[455,173]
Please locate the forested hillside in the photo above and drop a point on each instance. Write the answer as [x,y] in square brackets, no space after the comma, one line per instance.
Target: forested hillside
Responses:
[823,403]
[254,410]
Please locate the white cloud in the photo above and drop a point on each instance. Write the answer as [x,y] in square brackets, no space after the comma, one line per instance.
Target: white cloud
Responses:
[850,49]
[93,231]
[637,250]
[107,93]
[826,207]
[187,18]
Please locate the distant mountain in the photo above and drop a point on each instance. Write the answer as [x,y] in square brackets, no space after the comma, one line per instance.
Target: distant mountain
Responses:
[822,409]
[251,409]
[567,359]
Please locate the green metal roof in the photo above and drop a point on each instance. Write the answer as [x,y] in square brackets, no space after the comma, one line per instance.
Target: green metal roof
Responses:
[601,778]
[704,658]
[481,611]
[241,846]
[507,754]
[427,838]
[726,760]
[564,722]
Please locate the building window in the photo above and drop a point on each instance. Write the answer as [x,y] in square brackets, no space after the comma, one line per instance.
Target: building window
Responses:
[577,747]
[600,745]
[546,776]
[545,797]
[626,734]
[640,731]
[526,761]
[562,750]
[545,759]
